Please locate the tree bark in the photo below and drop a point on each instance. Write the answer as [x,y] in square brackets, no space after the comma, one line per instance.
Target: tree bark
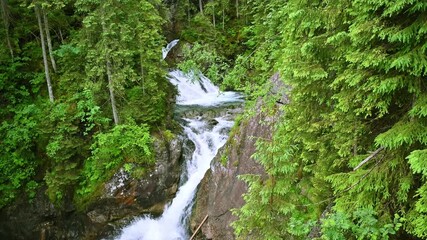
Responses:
[5,17]
[110,80]
[111,89]
[368,158]
[213,15]
[46,67]
[237,8]
[60,34]
[201,6]
[223,18]
[49,41]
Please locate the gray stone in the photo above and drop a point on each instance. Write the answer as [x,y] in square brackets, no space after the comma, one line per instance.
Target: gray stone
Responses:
[96,217]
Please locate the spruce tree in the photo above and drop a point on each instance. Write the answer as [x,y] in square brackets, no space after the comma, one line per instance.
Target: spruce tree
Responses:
[349,150]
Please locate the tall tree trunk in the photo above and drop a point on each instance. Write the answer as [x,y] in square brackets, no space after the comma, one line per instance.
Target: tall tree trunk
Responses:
[213,15]
[111,89]
[5,17]
[49,41]
[201,6]
[188,10]
[110,80]
[223,18]
[142,74]
[46,67]
[237,8]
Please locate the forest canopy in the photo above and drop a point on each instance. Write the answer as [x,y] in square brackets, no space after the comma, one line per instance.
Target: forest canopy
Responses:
[79,81]
[348,159]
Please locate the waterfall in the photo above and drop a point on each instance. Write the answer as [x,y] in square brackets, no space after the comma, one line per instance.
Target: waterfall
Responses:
[200,92]
[207,140]
[168,47]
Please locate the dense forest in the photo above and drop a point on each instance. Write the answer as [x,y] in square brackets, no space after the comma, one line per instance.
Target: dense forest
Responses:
[83,90]
[82,87]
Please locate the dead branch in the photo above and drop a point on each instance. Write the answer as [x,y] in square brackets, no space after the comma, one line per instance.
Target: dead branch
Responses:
[198,228]
[368,158]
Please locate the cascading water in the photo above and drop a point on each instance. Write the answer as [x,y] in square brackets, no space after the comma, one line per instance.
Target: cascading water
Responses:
[207,140]
[200,92]
[168,47]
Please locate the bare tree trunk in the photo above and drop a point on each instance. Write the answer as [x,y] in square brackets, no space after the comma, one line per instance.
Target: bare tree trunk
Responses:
[49,41]
[223,18]
[111,89]
[142,75]
[5,17]
[213,15]
[237,8]
[110,81]
[46,67]
[201,6]
[60,34]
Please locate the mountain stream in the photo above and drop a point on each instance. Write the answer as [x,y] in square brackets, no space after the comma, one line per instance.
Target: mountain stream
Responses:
[208,135]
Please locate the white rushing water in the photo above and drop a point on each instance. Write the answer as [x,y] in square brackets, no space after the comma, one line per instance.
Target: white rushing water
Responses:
[168,47]
[207,140]
[200,92]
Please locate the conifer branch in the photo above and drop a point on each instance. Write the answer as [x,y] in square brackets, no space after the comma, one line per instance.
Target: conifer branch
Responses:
[349,188]
[364,175]
[368,158]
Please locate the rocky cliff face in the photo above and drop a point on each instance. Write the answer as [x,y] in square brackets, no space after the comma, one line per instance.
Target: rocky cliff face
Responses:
[122,198]
[221,191]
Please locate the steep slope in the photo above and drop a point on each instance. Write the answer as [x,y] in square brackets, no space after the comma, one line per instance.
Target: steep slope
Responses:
[221,190]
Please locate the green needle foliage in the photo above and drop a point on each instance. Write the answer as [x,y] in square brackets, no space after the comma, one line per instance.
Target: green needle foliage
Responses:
[100,49]
[357,73]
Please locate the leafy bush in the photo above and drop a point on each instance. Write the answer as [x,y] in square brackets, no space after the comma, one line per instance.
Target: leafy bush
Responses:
[111,150]
[17,159]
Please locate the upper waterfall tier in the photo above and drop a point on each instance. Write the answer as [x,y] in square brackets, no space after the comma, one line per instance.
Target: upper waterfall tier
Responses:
[199,91]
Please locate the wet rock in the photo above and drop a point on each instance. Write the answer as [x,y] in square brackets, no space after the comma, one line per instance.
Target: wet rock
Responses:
[212,122]
[211,112]
[126,196]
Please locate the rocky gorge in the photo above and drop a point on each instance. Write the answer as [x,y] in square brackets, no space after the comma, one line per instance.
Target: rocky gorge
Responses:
[122,198]
[125,196]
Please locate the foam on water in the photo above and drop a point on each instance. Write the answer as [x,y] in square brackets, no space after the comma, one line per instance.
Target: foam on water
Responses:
[199,92]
